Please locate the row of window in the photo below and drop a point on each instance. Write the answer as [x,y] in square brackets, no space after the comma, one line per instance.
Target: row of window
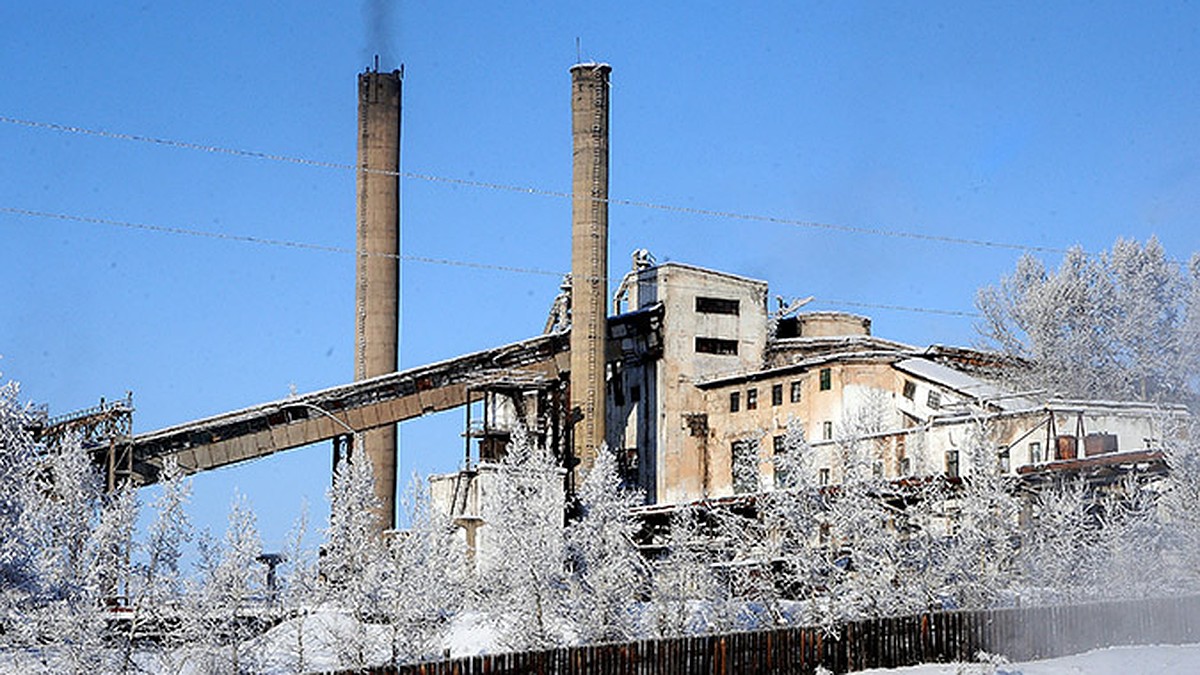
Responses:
[933,400]
[744,466]
[745,463]
[795,389]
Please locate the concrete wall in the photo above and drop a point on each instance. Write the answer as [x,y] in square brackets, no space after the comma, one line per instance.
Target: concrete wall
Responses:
[829,324]
[713,324]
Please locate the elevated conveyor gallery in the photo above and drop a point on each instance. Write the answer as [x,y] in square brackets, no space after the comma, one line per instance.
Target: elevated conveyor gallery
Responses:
[304,419]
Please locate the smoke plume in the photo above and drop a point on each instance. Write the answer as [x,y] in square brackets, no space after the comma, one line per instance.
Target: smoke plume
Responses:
[379,24]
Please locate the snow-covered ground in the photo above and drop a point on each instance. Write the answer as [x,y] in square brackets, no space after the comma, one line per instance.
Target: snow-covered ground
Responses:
[1157,659]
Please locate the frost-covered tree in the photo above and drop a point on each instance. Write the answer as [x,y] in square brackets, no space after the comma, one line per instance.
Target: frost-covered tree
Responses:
[353,558]
[1059,558]
[977,556]
[686,595]
[19,577]
[1177,507]
[299,599]
[609,576]
[232,591]
[1121,324]
[861,559]
[156,589]
[522,580]
[795,515]
[425,581]
[1133,541]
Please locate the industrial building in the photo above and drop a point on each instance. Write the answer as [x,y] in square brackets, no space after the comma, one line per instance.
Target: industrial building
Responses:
[703,382]
[688,374]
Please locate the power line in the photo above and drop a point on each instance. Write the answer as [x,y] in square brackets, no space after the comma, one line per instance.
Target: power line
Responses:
[165,229]
[901,308]
[264,241]
[633,203]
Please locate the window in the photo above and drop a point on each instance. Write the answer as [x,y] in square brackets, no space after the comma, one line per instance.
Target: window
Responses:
[823,476]
[934,400]
[826,379]
[910,389]
[618,388]
[796,391]
[1005,460]
[745,466]
[783,465]
[716,346]
[735,401]
[952,464]
[1035,452]
[635,393]
[877,469]
[905,466]
[716,306]
[751,399]
[827,431]
[777,394]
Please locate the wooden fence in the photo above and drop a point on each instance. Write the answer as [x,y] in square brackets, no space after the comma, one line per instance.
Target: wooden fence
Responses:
[1020,634]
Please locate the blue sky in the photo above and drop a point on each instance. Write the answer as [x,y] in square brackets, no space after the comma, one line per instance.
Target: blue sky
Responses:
[1043,124]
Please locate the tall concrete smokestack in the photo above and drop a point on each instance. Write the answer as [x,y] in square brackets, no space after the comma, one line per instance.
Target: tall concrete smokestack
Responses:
[589,255]
[377,298]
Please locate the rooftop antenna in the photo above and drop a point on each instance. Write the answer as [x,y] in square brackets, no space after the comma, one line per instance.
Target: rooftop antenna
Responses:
[578,51]
[377,63]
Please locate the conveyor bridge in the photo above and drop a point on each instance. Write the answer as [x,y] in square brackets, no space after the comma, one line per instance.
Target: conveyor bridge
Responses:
[304,419]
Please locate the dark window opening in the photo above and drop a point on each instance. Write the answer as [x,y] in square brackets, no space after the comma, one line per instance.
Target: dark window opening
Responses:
[1005,462]
[952,464]
[823,478]
[751,399]
[826,379]
[910,389]
[735,400]
[716,306]
[796,391]
[827,431]
[777,394]
[787,328]
[1035,452]
[784,477]
[716,346]
[934,400]
[618,388]
[635,393]
[629,466]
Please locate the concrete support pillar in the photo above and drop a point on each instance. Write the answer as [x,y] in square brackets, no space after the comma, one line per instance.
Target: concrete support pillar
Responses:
[589,257]
[377,293]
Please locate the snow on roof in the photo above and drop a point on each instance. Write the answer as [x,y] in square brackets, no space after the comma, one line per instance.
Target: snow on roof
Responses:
[963,383]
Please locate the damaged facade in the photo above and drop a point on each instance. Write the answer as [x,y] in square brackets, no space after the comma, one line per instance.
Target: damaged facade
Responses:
[703,382]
